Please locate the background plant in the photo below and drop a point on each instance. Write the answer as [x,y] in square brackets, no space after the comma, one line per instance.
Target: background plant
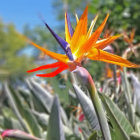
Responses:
[27,102]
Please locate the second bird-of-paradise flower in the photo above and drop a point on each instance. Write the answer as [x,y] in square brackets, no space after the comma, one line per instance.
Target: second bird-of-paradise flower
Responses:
[80,44]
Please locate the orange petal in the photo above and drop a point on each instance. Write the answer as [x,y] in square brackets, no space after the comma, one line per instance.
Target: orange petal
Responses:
[132,34]
[81,29]
[101,55]
[109,73]
[92,40]
[54,73]
[126,38]
[67,33]
[59,57]
[92,26]
[101,44]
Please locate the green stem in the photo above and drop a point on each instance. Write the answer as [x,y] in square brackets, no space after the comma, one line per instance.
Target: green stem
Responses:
[85,78]
[99,110]
[128,96]
[115,82]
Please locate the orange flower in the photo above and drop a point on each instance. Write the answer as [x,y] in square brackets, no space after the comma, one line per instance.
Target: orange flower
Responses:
[80,44]
[109,72]
[130,39]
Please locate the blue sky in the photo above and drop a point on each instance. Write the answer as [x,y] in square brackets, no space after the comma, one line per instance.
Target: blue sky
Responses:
[21,12]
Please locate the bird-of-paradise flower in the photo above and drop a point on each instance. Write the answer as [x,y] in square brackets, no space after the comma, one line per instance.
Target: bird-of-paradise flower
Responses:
[80,43]
[78,111]
[132,47]
[109,72]
[129,39]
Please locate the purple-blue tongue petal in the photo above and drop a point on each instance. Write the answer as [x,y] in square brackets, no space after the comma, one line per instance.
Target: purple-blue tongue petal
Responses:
[69,25]
[62,42]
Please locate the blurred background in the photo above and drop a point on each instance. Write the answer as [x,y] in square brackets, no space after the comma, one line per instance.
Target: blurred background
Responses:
[17,57]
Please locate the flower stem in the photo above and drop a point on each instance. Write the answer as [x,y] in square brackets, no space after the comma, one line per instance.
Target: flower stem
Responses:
[99,110]
[83,76]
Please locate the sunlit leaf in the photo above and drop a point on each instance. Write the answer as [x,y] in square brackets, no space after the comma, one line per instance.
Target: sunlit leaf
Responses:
[87,107]
[55,127]
[121,126]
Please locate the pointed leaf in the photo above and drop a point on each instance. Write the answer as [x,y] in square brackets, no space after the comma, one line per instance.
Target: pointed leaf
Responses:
[83,74]
[55,127]
[136,88]
[45,97]
[7,122]
[121,126]
[14,106]
[93,136]
[128,96]
[42,118]
[87,107]
[28,119]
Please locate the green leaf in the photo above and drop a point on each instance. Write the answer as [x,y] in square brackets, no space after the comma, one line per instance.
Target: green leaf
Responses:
[83,75]
[55,127]
[45,97]
[121,126]
[136,90]
[128,96]
[87,107]
[8,123]
[14,106]
[134,136]
[31,100]
[93,136]
[25,116]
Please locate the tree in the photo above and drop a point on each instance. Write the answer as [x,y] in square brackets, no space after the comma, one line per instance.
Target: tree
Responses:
[13,62]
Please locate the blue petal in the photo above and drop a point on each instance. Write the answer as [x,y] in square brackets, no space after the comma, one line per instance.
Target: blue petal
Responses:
[62,42]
